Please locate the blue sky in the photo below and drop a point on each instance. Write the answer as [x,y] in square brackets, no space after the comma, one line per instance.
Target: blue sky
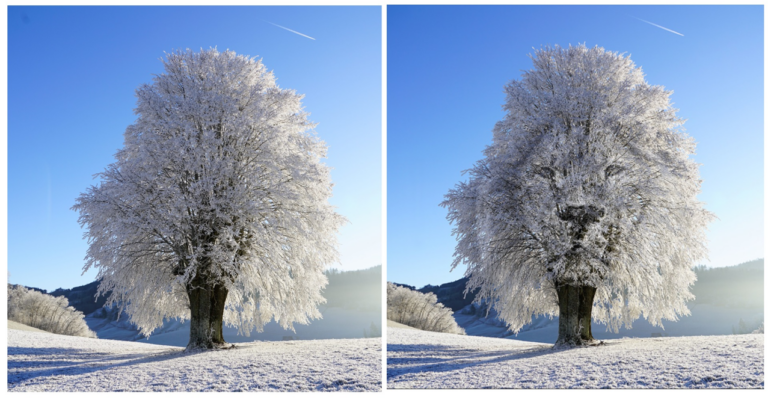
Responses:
[72,72]
[447,66]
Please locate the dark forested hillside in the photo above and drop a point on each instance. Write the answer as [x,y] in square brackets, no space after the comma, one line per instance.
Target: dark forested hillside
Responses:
[451,294]
[82,298]
[404,285]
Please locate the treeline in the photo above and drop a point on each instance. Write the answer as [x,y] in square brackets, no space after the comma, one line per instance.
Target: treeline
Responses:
[419,310]
[42,311]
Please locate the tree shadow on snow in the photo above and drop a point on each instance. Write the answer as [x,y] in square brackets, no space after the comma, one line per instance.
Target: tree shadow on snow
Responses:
[37,362]
[449,358]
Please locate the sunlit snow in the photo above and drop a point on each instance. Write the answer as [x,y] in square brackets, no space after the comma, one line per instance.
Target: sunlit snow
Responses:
[47,362]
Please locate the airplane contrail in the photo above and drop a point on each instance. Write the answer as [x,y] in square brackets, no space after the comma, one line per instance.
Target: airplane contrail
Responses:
[659,26]
[291,30]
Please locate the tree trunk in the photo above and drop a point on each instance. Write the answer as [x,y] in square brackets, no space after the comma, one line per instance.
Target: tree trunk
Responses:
[218,300]
[575,322]
[586,299]
[206,303]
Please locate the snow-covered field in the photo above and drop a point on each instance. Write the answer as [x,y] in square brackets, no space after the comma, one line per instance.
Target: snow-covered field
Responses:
[47,362]
[393,324]
[22,327]
[420,359]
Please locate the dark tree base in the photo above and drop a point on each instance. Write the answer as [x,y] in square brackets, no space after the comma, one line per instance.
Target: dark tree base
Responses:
[575,322]
[208,346]
[206,304]
[582,343]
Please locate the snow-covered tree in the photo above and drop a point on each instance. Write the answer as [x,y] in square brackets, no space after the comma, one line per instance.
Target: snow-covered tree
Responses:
[43,311]
[585,198]
[419,310]
[216,209]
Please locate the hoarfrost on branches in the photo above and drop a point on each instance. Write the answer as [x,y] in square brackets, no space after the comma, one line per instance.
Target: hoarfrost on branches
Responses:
[588,182]
[419,310]
[220,182]
[43,311]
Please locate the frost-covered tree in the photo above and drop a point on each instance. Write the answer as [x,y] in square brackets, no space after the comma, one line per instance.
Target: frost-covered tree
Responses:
[585,198]
[43,311]
[419,310]
[216,209]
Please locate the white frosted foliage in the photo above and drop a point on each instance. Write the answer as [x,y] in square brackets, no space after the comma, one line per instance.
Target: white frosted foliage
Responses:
[589,181]
[221,172]
[45,312]
[419,310]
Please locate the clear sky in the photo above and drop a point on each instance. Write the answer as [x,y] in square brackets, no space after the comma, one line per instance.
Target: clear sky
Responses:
[447,66]
[72,73]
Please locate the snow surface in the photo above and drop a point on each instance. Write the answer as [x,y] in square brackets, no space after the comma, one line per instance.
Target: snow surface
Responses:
[393,324]
[21,327]
[420,359]
[49,362]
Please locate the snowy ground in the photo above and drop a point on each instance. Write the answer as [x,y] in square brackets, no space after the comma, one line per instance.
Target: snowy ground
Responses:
[47,362]
[22,327]
[420,359]
[393,324]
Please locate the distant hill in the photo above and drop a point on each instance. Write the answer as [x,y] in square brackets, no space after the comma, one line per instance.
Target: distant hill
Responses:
[737,286]
[43,291]
[360,289]
[83,298]
[451,294]
[405,286]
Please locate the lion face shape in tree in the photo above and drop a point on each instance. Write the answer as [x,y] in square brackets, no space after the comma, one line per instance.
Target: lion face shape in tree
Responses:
[578,193]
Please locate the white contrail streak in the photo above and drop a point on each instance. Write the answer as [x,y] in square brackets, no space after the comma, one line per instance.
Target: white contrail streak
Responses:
[291,30]
[659,26]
